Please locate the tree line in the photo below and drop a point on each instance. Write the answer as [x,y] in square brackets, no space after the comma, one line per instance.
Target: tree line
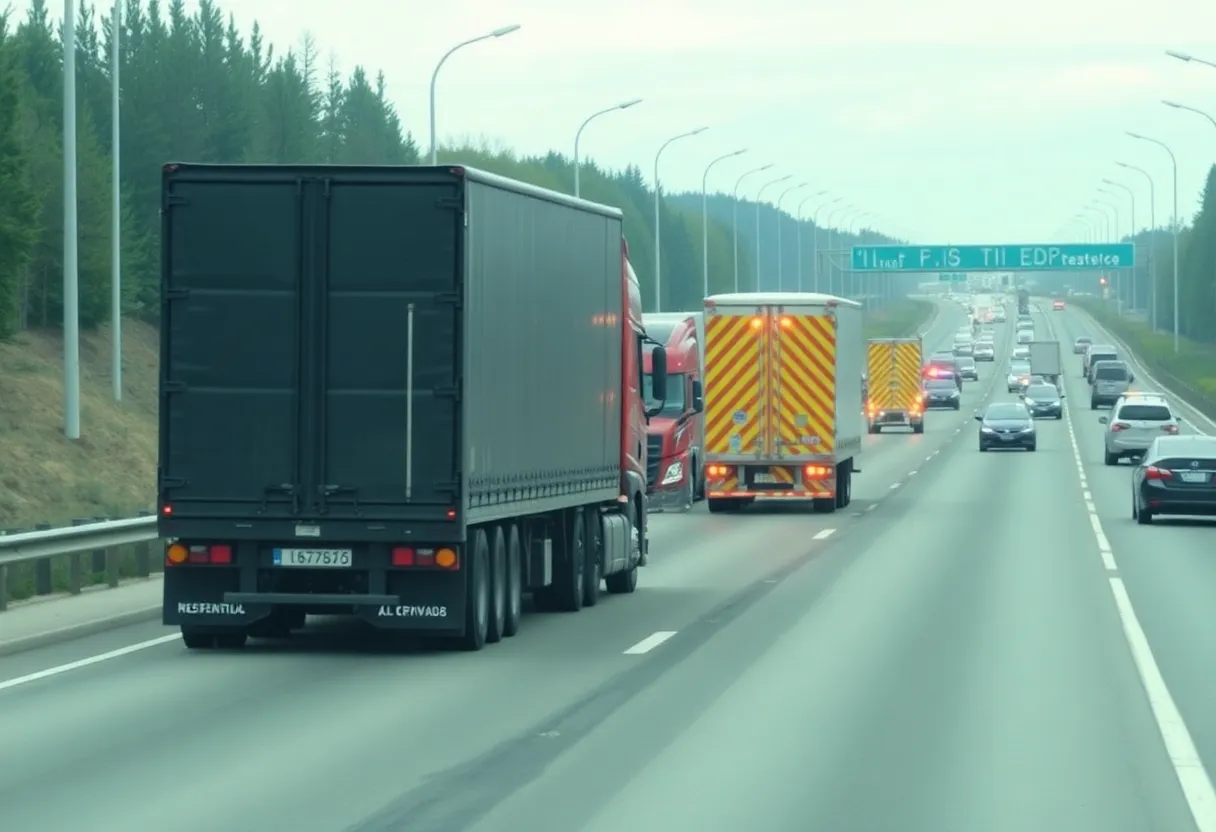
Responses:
[194,88]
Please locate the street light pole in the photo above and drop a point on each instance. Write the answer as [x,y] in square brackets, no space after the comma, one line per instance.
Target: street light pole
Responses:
[497,33]
[815,245]
[780,199]
[735,214]
[578,135]
[658,247]
[831,229]
[71,254]
[1131,195]
[763,188]
[1152,249]
[1183,56]
[115,206]
[798,230]
[1174,163]
[1175,105]
[705,217]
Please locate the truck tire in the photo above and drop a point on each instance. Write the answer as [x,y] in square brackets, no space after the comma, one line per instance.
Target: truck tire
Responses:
[722,505]
[823,505]
[919,427]
[477,594]
[626,581]
[698,479]
[844,485]
[569,568]
[196,640]
[593,572]
[514,612]
[496,620]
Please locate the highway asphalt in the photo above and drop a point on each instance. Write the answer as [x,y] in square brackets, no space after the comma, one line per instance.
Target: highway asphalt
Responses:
[947,654]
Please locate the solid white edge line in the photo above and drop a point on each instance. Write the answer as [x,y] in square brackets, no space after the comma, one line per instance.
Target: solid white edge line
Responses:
[650,642]
[823,535]
[1197,787]
[88,662]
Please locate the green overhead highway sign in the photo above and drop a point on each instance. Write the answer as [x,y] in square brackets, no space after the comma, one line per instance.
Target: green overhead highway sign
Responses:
[952,277]
[1066,257]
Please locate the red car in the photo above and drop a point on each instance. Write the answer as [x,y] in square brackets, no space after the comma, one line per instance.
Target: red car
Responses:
[1057,305]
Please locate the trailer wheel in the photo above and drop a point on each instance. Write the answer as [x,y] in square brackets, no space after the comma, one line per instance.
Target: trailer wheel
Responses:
[624,583]
[515,583]
[844,485]
[496,620]
[565,594]
[593,572]
[823,505]
[232,640]
[477,594]
[197,640]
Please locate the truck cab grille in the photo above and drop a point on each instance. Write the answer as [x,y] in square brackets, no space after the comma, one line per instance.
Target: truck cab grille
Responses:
[654,450]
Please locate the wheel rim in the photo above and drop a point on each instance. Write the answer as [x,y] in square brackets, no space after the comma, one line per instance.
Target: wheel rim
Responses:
[500,586]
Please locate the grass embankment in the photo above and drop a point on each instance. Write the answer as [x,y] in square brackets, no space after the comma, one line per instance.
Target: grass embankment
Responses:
[1191,373]
[110,472]
[898,318]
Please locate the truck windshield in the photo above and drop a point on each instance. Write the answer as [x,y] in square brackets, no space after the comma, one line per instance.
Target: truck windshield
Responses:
[674,405]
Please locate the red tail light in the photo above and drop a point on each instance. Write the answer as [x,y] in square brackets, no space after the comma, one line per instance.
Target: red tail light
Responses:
[1170,429]
[717,472]
[177,554]
[403,556]
[1118,426]
[443,558]
[1152,472]
[816,472]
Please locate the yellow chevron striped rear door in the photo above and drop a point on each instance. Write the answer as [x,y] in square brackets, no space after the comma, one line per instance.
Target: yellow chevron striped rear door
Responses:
[803,399]
[736,340]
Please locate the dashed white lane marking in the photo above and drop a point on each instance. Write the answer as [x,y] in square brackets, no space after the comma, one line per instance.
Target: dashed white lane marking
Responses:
[1197,788]
[88,662]
[894,486]
[912,473]
[823,535]
[650,642]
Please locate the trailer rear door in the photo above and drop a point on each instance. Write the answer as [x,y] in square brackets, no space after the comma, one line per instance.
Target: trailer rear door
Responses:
[311,343]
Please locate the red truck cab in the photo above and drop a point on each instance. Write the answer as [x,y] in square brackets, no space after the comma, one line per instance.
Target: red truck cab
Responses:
[675,436]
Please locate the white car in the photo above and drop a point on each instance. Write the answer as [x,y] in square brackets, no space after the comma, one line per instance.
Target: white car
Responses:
[1135,421]
[1019,376]
[984,351]
[1025,336]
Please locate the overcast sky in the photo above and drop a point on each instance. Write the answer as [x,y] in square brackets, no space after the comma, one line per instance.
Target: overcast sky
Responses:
[950,121]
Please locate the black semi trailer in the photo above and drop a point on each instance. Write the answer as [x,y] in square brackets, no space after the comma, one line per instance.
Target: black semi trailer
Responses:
[407,394]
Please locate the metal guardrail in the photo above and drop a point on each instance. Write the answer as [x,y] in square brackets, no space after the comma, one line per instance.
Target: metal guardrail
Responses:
[114,546]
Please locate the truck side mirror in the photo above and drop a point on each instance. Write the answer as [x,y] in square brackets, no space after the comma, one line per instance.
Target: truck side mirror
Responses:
[658,374]
[1102,420]
[698,397]
[979,418]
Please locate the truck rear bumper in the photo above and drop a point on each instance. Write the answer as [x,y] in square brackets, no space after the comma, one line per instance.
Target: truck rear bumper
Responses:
[209,597]
[771,480]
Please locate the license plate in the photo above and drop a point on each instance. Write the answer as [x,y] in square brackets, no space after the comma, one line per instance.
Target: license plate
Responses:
[1193,476]
[765,479]
[1006,437]
[314,558]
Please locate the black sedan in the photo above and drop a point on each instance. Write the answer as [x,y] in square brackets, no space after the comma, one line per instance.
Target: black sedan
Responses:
[942,392]
[1043,401]
[1176,476]
[1007,425]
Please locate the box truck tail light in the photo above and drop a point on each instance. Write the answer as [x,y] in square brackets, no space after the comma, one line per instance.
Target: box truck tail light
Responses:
[406,556]
[816,472]
[757,322]
[786,323]
[177,554]
[717,472]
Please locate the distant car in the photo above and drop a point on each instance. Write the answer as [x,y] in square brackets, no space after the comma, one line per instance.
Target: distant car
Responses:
[1133,424]
[1081,344]
[1096,352]
[939,367]
[1057,306]
[967,368]
[1025,336]
[1019,376]
[984,351]
[942,392]
[1007,425]
[1043,401]
[998,316]
[1021,353]
[1176,476]
[1110,379]
[964,348]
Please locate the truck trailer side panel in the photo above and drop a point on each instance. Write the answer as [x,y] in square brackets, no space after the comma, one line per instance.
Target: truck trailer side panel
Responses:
[543,292]
[311,361]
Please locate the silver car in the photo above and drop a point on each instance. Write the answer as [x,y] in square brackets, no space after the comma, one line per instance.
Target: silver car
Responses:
[984,351]
[1019,376]
[1135,421]
[1111,379]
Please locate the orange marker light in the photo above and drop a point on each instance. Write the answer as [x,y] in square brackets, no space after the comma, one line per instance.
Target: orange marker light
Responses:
[177,553]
